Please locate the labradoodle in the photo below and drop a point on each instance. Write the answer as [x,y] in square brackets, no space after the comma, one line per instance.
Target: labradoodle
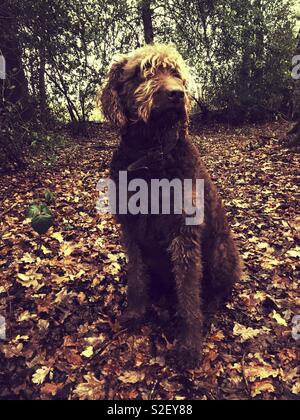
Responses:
[193,266]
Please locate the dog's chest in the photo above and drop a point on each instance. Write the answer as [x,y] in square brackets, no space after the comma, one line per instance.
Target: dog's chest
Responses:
[151,231]
[153,198]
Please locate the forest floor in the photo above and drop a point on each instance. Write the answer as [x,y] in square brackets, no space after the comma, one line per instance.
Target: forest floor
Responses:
[62,302]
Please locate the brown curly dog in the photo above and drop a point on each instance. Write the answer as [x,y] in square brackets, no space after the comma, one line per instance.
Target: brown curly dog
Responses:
[146,97]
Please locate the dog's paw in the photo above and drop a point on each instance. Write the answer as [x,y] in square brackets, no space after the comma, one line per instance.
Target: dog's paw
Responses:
[132,320]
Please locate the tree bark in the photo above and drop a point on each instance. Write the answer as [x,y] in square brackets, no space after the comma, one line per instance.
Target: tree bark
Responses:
[146,12]
[293,136]
[15,85]
[42,80]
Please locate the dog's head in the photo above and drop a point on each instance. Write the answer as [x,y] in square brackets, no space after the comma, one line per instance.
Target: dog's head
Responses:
[147,85]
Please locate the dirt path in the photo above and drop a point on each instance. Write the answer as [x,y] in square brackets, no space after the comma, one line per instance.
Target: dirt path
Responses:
[61,305]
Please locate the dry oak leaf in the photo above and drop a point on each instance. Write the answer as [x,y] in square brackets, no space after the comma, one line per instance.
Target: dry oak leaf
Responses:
[55,278]
[259,387]
[132,377]
[278,318]
[269,264]
[27,258]
[73,357]
[11,351]
[218,336]
[58,236]
[294,253]
[247,333]
[45,250]
[43,324]
[290,375]
[51,389]
[25,316]
[30,281]
[254,372]
[95,341]
[92,389]
[40,375]
[296,388]
[67,249]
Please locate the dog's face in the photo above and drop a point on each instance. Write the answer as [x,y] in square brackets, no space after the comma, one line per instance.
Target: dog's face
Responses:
[149,84]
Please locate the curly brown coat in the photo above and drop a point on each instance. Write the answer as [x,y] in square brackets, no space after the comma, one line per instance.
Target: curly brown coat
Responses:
[146,96]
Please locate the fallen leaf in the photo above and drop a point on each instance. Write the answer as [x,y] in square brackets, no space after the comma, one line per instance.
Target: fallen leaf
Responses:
[92,389]
[25,316]
[278,318]
[28,259]
[294,253]
[260,387]
[88,352]
[45,250]
[296,388]
[58,236]
[247,333]
[254,372]
[67,249]
[132,377]
[40,375]
[30,280]
[51,389]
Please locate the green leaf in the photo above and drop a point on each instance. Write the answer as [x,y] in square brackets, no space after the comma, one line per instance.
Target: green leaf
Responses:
[42,223]
[45,210]
[32,211]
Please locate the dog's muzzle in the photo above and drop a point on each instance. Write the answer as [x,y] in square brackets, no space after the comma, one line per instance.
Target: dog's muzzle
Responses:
[176,96]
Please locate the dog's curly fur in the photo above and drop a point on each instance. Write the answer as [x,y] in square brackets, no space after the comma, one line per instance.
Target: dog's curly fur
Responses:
[196,264]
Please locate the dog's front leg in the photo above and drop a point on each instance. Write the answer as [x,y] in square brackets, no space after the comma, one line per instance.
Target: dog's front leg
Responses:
[138,287]
[187,269]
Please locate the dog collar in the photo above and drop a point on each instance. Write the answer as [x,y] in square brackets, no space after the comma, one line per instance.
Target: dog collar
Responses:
[153,157]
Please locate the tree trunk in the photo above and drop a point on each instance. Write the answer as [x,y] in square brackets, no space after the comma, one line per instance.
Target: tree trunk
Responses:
[145,7]
[42,80]
[293,137]
[15,85]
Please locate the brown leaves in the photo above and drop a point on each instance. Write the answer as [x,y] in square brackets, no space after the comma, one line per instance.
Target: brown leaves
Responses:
[259,388]
[51,390]
[255,371]
[31,280]
[132,377]
[247,333]
[91,389]
[296,388]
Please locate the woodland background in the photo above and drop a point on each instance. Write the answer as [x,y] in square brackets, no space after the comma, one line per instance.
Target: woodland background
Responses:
[62,267]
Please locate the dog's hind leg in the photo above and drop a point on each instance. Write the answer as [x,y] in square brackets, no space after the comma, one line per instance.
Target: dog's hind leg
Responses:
[222,270]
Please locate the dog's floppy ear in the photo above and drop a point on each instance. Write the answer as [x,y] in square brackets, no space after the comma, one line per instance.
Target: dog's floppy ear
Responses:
[110,99]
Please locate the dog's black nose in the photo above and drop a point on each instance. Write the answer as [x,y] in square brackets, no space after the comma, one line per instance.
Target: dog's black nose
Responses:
[176,95]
